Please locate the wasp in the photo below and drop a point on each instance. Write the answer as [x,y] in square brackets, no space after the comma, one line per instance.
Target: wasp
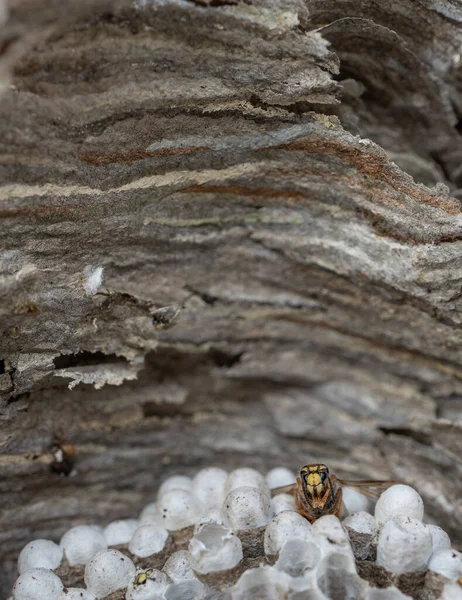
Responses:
[317,492]
[141,578]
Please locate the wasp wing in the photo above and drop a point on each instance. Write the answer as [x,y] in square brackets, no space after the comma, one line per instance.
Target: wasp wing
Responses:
[285,489]
[369,488]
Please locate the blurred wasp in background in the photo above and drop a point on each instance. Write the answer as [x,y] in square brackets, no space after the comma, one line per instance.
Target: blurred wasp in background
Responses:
[317,493]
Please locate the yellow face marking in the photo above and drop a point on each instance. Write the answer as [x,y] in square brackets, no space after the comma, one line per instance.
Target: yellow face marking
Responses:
[314,479]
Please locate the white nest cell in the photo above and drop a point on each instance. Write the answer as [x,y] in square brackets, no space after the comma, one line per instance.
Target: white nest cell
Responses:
[178,509]
[76,594]
[81,543]
[152,588]
[306,587]
[399,501]
[177,482]
[38,584]
[440,539]
[389,593]
[282,502]
[121,531]
[264,583]
[451,591]
[362,522]
[214,548]
[107,572]
[178,567]
[404,545]
[354,501]
[190,589]
[246,477]
[246,508]
[336,577]
[40,553]
[447,563]
[297,556]
[208,486]
[214,515]
[149,515]
[330,528]
[148,540]
[285,526]
[279,476]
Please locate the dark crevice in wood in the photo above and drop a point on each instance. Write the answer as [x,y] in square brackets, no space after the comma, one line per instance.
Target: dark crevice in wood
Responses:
[439,160]
[224,359]
[421,436]
[83,359]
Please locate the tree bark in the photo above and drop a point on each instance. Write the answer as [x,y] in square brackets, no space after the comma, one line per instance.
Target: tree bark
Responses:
[272,190]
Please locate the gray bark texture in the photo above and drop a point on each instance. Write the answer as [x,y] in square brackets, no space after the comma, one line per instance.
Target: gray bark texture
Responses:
[272,188]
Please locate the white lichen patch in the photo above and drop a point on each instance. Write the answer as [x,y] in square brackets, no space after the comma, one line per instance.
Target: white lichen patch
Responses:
[40,553]
[93,279]
[100,375]
[107,572]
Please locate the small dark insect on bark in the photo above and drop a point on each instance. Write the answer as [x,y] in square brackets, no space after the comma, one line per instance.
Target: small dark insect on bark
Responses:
[64,459]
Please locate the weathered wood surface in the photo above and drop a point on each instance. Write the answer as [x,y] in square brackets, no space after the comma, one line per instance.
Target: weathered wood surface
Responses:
[282,289]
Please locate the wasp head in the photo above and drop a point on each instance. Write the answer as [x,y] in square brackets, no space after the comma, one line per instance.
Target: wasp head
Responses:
[314,479]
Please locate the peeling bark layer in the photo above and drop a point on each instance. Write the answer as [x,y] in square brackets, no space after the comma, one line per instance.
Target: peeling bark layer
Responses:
[275,288]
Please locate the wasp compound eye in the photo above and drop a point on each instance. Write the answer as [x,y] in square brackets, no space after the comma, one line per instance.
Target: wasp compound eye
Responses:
[323,477]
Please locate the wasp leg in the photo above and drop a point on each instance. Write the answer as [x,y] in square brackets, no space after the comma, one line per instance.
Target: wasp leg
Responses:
[302,510]
[338,504]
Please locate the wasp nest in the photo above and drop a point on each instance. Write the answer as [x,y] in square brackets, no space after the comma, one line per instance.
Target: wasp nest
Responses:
[222,536]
